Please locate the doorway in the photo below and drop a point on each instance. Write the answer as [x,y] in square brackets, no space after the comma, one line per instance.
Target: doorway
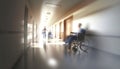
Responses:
[68,26]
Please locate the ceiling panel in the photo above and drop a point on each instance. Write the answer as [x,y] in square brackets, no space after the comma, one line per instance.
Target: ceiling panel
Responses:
[51,10]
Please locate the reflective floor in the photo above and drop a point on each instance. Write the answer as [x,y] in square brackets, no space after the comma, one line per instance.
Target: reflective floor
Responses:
[57,56]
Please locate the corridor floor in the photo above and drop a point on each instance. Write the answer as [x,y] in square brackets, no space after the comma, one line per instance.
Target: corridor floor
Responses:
[56,56]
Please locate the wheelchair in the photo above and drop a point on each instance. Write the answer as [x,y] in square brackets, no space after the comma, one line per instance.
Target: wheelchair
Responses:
[78,44]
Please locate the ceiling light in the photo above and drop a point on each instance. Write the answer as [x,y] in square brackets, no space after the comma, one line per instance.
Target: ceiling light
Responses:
[52,5]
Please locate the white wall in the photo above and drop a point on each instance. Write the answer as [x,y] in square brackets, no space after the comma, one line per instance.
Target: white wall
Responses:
[106,25]
[11,31]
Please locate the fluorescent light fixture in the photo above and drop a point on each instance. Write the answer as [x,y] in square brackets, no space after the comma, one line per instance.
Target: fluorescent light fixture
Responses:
[52,5]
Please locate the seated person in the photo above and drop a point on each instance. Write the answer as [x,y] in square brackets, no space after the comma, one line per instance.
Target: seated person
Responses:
[50,36]
[74,35]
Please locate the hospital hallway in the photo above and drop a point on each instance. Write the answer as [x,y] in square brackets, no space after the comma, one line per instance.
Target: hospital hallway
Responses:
[56,56]
[59,34]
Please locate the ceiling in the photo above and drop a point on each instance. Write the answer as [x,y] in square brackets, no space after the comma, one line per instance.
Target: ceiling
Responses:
[50,11]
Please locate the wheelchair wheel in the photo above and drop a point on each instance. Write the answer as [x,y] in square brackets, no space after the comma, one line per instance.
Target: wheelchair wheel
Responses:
[84,45]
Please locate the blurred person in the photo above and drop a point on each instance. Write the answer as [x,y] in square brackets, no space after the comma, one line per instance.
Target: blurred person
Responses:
[44,32]
[50,35]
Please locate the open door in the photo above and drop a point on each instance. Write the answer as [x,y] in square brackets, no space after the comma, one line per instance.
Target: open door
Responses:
[68,26]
